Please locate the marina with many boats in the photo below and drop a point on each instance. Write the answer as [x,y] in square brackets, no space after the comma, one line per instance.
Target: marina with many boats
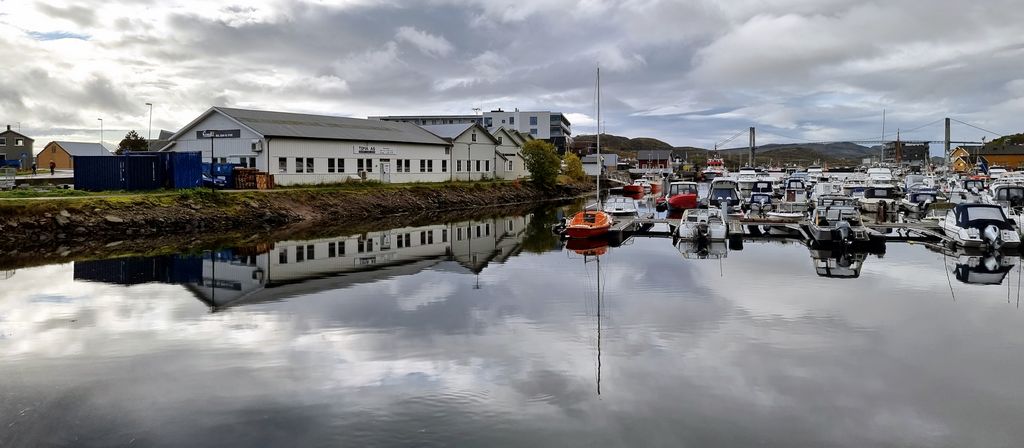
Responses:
[838,213]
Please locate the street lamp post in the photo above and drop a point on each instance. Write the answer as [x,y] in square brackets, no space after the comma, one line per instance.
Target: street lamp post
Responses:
[150,136]
[101,131]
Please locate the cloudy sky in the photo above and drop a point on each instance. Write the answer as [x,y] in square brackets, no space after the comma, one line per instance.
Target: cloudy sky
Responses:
[689,72]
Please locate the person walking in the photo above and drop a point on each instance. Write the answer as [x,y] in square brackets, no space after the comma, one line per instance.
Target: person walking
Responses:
[33,168]
[52,167]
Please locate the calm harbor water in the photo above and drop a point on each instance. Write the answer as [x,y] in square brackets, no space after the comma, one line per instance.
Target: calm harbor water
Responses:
[490,333]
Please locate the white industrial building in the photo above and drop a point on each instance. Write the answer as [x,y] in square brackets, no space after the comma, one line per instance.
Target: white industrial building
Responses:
[313,149]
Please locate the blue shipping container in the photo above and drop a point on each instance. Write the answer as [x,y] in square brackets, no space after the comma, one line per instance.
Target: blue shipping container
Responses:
[138,171]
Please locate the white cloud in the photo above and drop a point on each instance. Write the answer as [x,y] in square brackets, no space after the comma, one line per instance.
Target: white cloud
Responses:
[427,43]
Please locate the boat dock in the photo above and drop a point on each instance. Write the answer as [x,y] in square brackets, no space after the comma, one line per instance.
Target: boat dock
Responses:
[922,231]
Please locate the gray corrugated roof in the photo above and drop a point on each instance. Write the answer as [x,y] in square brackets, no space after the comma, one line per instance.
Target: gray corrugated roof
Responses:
[84,149]
[285,124]
[451,131]
[659,154]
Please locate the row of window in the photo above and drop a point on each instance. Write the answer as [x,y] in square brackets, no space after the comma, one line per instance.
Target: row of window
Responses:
[363,245]
[486,164]
[309,165]
[17,141]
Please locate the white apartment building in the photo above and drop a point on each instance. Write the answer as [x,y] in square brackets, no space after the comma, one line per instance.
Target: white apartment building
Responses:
[544,125]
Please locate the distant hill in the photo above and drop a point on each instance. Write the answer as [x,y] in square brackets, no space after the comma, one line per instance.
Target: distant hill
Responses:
[624,146]
[800,153]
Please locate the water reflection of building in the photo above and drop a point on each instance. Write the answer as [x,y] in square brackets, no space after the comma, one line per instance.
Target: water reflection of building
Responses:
[289,268]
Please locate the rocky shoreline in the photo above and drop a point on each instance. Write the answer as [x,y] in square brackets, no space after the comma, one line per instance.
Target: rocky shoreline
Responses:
[58,229]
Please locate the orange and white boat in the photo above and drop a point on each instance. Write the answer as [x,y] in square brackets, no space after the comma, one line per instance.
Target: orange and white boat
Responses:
[588,224]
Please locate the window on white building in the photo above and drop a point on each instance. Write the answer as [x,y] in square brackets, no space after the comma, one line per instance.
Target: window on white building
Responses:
[341,165]
[458,166]
[423,166]
[533,131]
[330,168]
[19,142]
[447,150]
[533,121]
[300,165]
[282,165]
[369,165]
[473,137]
[508,166]
[487,165]
[3,141]
[478,166]
[300,254]
[511,120]
[309,164]
[282,256]
[444,166]
[430,166]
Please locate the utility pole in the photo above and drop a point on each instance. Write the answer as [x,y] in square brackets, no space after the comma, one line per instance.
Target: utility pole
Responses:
[150,137]
[101,131]
[751,146]
[881,157]
[946,144]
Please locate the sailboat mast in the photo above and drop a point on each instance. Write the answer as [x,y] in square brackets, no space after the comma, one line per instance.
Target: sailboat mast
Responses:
[600,164]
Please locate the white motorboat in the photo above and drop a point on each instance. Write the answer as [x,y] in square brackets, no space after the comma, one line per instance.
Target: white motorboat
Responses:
[794,195]
[621,206]
[967,191]
[745,180]
[1010,197]
[980,226]
[919,199]
[854,185]
[880,175]
[758,205]
[879,195]
[837,219]
[703,224]
[724,194]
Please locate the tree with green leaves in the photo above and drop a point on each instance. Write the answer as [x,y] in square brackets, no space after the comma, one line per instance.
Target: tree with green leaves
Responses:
[542,161]
[574,167]
[132,142]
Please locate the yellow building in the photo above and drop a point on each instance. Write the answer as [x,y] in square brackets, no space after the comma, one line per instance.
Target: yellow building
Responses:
[965,158]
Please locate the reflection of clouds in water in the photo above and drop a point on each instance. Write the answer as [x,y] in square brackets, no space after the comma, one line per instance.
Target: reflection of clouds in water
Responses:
[768,352]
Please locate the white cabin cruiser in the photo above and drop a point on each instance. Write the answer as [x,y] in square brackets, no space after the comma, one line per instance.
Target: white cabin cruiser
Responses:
[794,194]
[837,219]
[980,225]
[703,224]
[854,185]
[877,195]
[880,175]
[745,180]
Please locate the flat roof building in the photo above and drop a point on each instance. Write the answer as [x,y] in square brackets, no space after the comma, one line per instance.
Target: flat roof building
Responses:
[553,127]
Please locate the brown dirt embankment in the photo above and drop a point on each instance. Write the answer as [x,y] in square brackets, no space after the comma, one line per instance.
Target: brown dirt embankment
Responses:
[62,228]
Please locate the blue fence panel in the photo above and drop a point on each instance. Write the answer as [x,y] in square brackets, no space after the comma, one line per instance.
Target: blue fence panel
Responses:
[99,173]
[185,170]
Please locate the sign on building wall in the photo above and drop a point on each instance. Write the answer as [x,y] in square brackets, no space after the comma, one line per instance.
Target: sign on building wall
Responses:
[219,133]
[371,149]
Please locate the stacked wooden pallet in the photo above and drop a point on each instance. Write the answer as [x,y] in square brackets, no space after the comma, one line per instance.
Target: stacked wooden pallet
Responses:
[264,181]
[245,178]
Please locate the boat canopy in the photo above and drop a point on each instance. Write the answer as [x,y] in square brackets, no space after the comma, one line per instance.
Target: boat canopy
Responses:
[682,188]
[922,196]
[979,216]
[878,192]
[968,184]
[1009,193]
[760,198]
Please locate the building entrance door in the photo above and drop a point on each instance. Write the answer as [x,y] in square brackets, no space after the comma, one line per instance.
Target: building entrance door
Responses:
[385,170]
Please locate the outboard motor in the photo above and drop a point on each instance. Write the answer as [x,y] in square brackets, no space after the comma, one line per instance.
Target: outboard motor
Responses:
[703,232]
[842,231]
[991,235]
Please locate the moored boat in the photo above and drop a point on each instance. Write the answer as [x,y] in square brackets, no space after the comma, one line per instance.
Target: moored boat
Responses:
[703,224]
[589,224]
[681,196]
[981,226]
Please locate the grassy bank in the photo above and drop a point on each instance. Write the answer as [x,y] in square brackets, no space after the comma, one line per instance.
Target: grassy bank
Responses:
[50,223]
